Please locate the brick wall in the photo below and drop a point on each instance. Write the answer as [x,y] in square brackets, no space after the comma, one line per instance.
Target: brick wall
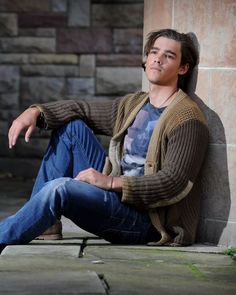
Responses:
[63,49]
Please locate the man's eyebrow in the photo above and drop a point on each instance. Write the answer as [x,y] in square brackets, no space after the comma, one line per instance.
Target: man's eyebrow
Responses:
[166,51]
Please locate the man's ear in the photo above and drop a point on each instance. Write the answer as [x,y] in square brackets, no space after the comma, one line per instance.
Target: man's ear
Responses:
[183,69]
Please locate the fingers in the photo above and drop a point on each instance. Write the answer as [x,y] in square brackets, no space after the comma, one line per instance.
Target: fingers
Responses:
[29,132]
[13,135]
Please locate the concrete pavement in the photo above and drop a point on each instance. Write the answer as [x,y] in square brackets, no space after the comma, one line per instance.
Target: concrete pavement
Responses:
[84,264]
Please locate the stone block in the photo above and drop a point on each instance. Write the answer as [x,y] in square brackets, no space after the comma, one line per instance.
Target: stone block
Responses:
[216,197]
[87,65]
[95,40]
[128,40]
[41,89]
[79,13]
[59,5]
[8,24]
[53,59]
[6,58]
[117,15]
[25,5]
[58,250]
[231,155]
[50,70]
[77,86]
[35,148]
[37,32]
[216,14]
[3,131]
[108,60]
[9,79]
[9,100]
[27,44]
[117,80]
[223,102]
[217,232]
[34,20]
[26,168]
[49,282]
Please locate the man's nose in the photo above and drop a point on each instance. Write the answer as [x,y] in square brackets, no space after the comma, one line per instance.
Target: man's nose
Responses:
[158,59]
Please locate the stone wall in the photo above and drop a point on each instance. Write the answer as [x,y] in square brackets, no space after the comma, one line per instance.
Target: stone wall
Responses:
[63,49]
[214,24]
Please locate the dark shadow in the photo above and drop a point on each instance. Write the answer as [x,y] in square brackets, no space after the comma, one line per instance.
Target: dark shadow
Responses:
[214,180]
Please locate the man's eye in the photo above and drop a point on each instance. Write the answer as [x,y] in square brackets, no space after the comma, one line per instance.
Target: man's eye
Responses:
[169,56]
[153,52]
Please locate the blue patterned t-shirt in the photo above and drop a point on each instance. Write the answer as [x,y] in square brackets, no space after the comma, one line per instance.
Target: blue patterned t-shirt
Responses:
[137,140]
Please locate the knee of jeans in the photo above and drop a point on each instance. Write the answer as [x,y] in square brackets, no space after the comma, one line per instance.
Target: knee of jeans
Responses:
[54,190]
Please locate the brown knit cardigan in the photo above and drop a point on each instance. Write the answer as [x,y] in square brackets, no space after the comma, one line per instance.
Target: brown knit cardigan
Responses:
[174,157]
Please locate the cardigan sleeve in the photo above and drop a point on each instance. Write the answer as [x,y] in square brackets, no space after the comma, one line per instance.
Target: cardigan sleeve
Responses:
[100,116]
[186,148]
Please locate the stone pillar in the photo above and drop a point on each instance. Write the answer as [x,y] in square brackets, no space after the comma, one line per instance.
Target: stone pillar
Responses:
[214,24]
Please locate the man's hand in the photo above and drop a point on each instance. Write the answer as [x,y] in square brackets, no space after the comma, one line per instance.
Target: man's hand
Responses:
[98,179]
[26,121]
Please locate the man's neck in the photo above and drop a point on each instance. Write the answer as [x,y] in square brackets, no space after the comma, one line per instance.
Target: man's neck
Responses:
[161,96]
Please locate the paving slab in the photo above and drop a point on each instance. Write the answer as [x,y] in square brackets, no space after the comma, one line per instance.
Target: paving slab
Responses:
[128,269]
[60,282]
[56,251]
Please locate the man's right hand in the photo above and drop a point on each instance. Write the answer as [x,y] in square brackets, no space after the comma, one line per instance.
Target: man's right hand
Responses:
[26,121]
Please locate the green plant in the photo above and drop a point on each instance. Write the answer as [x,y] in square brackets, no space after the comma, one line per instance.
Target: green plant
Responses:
[230,251]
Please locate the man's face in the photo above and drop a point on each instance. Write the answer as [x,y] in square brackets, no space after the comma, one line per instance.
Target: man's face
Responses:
[163,62]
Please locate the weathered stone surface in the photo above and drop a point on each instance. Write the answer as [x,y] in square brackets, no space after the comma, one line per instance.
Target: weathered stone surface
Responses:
[85,40]
[50,70]
[9,100]
[77,86]
[216,196]
[9,79]
[41,20]
[59,5]
[37,32]
[13,58]
[8,24]
[27,167]
[3,131]
[25,5]
[128,40]
[114,15]
[118,80]
[79,13]
[118,60]
[27,44]
[87,65]
[53,59]
[41,89]
[49,282]
[35,148]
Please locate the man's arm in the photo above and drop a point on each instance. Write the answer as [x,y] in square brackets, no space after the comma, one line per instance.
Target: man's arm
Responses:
[100,116]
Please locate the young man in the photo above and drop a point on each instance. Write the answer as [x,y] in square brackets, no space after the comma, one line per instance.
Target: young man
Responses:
[158,144]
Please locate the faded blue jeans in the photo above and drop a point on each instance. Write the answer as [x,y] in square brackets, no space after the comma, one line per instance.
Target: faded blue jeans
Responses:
[73,148]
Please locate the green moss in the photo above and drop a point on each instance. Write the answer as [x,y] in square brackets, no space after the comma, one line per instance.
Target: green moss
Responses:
[230,251]
[196,271]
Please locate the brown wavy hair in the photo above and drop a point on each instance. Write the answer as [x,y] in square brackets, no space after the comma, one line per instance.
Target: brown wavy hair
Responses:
[189,50]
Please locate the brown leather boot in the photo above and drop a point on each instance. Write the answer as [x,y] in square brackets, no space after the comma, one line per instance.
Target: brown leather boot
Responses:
[52,233]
